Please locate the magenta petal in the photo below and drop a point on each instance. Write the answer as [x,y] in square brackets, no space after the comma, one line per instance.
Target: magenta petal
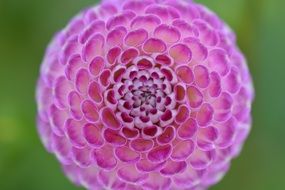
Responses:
[93,47]
[130,174]
[180,53]
[74,133]
[187,129]
[109,119]
[182,150]
[218,61]
[82,156]
[157,181]
[94,92]
[141,145]
[125,154]
[82,81]
[58,119]
[93,136]
[96,66]
[205,115]
[154,45]
[195,97]
[136,37]
[201,159]
[105,157]
[185,74]
[114,138]
[145,165]
[160,153]
[167,136]
[62,87]
[75,100]
[166,33]
[172,167]
[183,114]
[206,138]
[90,111]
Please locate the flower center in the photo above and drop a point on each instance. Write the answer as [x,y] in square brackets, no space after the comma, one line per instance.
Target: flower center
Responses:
[142,95]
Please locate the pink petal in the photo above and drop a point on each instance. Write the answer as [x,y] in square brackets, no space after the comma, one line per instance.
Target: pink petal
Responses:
[145,165]
[180,53]
[183,114]
[226,133]
[73,65]
[187,129]
[201,159]
[157,181]
[195,97]
[105,157]
[141,145]
[199,51]
[90,111]
[183,150]
[93,47]
[172,167]
[163,12]
[75,100]
[136,37]
[98,26]
[58,119]
[96,66]
[114,138]
[105,77]
[154,45]
[149,22]
[205,115]
[120,20]
[61,148]
[160,153]
[130,174]
[82,81]
[62,88]
[130,133]
[167,136]
[180,93]
[206,138]
[185,74]
[129,55]
[164,59]
[189,178]
[125,154]
[167,33]
[82,157]
[201,74]
[75,133]
[232,82]
[215,85]
[109,119]
[113,54]
[95,93]
[219,61]
[116,36]
[93,136]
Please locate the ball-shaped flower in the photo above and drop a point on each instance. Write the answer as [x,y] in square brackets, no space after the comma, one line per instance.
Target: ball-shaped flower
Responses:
[144,94]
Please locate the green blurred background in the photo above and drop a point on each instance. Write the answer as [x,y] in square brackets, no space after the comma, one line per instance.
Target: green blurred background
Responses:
[26,26]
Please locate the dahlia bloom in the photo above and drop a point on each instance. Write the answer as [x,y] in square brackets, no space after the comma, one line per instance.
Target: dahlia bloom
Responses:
[144,94]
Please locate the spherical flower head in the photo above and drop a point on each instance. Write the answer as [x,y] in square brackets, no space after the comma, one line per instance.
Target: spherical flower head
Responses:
[144,94]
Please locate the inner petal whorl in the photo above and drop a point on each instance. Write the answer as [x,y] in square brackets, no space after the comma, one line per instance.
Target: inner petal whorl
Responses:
[142,94]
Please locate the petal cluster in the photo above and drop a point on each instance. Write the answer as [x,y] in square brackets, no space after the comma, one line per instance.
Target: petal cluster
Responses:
[144,94]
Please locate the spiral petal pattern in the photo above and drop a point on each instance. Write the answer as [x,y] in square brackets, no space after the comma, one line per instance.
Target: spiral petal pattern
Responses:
[150,94]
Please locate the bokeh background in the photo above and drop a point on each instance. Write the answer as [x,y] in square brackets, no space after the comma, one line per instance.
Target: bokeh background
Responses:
[26,28]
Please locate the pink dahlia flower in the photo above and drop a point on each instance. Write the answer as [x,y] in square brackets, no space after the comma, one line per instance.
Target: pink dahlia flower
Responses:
[144,94]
